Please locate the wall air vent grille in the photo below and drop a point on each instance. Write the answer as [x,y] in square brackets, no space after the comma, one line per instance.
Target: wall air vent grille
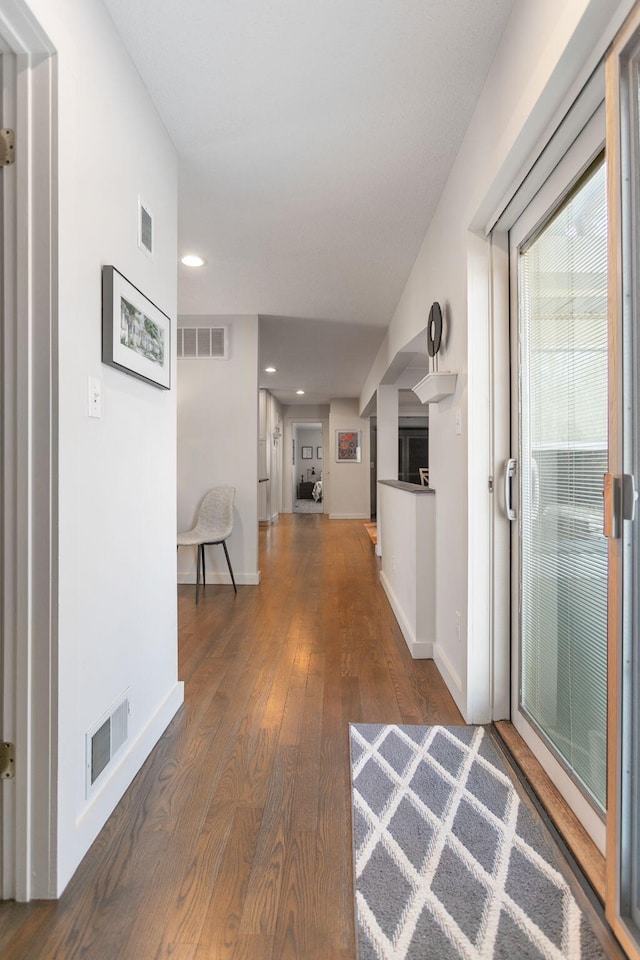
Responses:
[211,343]
[105,739]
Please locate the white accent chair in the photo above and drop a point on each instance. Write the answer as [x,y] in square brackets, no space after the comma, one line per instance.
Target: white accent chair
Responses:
[214,525]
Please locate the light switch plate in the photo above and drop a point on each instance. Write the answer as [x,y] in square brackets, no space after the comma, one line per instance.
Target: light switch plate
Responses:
[94,397]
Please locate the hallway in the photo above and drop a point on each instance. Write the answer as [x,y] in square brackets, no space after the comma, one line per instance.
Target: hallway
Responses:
[234,839]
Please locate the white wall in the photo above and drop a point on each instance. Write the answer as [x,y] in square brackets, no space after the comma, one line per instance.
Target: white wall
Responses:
[218,443]
[350,490]
[116,566]
[534,78]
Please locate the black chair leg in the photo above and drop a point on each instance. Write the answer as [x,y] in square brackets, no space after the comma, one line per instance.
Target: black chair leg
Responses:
[198,573]
[226,553]
[204,576]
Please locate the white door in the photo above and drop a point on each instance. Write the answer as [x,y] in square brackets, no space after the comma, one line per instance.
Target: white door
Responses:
[558,270]
[28,612]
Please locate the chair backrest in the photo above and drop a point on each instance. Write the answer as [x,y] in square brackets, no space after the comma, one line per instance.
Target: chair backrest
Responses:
[215,518]
[424,476]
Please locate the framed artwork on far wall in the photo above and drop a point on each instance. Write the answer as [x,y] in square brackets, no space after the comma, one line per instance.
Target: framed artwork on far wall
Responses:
[318,453]
[348,446]
[307,453]
[136,335]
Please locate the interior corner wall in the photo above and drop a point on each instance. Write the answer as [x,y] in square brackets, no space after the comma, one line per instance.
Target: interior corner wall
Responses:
[218,444]
[117,622]
[350,483]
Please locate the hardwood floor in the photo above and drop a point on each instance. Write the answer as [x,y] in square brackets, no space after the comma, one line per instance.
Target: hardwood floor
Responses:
[234,839]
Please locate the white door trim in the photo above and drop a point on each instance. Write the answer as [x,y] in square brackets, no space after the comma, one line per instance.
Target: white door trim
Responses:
[30,479]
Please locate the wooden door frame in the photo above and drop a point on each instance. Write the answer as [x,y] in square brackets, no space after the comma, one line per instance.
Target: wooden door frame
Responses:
[29,546]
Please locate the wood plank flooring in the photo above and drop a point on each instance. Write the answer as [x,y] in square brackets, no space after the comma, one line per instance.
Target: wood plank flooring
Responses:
[234,839]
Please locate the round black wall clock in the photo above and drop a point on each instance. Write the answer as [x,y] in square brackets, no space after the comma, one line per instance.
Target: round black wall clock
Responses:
[434,329]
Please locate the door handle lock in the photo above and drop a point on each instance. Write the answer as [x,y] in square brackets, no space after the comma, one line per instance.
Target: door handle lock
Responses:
[620,497]
[509,474]
[611,494]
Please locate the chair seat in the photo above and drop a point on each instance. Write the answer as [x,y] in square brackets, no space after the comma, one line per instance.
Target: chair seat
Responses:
[192,538]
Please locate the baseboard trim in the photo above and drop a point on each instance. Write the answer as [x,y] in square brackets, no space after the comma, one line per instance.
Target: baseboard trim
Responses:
[419,649]
[349,516]
[244,579]
[451,678]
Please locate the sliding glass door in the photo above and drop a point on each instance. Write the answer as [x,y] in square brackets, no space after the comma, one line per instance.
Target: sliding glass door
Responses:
[559,448]
[623,148]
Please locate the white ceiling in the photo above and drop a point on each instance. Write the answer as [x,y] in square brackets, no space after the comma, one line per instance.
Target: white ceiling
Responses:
[314,140]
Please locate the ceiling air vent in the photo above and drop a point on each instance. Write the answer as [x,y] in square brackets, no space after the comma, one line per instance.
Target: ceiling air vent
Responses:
[211,343]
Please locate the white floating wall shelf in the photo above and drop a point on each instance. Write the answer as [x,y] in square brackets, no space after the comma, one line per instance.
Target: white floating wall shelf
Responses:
[435,387]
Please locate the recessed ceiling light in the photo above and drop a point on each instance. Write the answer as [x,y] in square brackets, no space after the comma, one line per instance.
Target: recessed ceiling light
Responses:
[300,392]
[192,260]
[269,369]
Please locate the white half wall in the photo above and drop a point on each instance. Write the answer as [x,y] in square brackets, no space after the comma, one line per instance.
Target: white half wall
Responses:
[218,443]
[117,624]
[408,573]
[350,490]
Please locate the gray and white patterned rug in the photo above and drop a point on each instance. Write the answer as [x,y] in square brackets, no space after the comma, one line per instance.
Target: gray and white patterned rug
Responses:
[449,862]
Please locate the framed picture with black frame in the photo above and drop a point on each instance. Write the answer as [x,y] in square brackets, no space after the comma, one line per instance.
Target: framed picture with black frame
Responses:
[307,453]
[136,335]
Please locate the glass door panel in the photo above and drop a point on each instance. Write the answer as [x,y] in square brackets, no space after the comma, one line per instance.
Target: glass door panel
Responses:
[623,826]
[563,344]
[559,422]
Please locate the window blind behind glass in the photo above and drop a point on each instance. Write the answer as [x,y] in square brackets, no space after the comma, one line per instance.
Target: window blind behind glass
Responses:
[563,456]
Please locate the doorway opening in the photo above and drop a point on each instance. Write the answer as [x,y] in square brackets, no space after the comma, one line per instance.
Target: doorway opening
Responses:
[307,495]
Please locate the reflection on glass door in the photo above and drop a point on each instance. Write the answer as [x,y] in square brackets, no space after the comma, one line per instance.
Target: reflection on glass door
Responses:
[559,418]
[562,459]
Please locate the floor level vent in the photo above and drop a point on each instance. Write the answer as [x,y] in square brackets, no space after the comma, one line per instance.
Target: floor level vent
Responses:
[211,343]
[105,738]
